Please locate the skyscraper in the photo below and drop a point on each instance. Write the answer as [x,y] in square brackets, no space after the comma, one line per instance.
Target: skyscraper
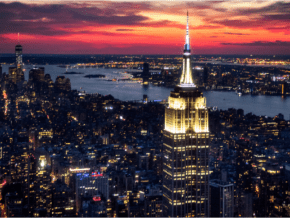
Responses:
[18,53]
[186,147]
[222,198]
[145,73]
[16,74]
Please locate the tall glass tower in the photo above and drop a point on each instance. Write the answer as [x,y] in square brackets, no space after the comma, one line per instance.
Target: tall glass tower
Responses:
[186,148]
[17,74]
[18,53]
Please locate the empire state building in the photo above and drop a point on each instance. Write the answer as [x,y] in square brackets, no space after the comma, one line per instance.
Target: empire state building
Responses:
[186,147]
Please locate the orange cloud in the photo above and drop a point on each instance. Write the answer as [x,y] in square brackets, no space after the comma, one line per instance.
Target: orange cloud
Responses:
[156,27]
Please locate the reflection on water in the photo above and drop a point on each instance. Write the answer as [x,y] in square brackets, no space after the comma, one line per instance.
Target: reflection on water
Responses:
[128,90]
[145,87]
[257,104]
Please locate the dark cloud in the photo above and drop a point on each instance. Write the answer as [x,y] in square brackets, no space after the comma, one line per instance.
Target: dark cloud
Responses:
[131,6]
[268,17]
[57,19]
[277,7]
[277,17]
[238,34]
[277,28]
[261,43]
[202,5]
[104,33]
[250,23]
[124,30]
[178,7]
[205,27]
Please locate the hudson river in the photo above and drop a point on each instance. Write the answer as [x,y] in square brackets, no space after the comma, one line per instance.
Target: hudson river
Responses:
[128,90]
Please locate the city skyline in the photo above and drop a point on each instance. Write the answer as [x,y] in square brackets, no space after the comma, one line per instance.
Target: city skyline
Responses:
[126,27]
[66,151]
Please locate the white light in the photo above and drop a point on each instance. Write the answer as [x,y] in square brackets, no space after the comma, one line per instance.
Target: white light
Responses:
[187,85]
[42,163]
[81,169]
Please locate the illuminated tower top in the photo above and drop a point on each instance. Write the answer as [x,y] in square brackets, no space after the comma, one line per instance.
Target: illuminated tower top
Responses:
[186,77]
[186,147]
[18,53]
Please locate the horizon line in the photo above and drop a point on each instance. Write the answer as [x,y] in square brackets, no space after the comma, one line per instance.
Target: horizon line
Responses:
[142,54]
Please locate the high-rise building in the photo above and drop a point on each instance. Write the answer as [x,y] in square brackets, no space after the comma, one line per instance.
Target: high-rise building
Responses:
[205,75]
[36,74]
[146,74]
[0,71]
[19,63]
[16,73]
[12,73]
[186,148]
[62,84]
[18,53]
[92,184]
[222,199]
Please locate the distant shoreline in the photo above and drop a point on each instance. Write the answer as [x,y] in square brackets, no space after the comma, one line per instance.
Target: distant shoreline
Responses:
[73,73]
[95,76]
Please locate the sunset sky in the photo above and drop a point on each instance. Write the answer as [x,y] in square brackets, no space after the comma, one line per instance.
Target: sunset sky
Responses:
[145,27]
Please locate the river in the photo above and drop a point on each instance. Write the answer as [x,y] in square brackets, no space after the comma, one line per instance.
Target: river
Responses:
[128,90]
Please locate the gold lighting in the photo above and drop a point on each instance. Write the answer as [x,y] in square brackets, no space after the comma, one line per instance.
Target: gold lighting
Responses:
[185,113]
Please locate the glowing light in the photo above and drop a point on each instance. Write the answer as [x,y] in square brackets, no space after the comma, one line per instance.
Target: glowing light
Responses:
[96,198]
[42,163]
[79,169]
[3,183]
[95,174]
[4,94]
[186,77]
[175,115]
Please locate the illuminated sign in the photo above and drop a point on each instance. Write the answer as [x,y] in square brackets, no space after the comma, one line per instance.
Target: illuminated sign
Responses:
[79,169]
[95,174]
[96,198]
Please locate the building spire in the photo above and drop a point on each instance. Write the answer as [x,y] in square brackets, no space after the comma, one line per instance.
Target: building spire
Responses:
[186,76]
[187,32]
[187,43]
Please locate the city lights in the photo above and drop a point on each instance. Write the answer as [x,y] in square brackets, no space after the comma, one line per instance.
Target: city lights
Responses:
[121,109]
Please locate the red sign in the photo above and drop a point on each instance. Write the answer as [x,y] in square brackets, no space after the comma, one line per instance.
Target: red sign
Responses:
[97,174]
[96,198]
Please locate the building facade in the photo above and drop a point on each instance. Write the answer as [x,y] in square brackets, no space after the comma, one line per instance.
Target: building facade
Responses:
[221,199]
[18,53]
[186,148]
[16,74]
[91,184]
